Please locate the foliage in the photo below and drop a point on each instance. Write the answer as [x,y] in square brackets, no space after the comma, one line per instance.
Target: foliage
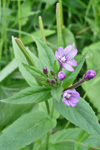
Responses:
[32,114]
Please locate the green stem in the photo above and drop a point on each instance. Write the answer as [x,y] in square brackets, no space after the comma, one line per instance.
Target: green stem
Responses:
[64,35]
[60,67]
[47,141]
[52,111]
[24,51]
[76,84]
[61,12]
[59,28]
[19,16]
[48,134]
[47,105]
[42,29]
[67,124]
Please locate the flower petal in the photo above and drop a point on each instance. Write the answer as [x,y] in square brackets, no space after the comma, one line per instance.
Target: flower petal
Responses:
[60,51]
[67,66]
[72,54]
[73,104]
[65,102]
[76,95]
[57,55]
[74,100]
[72,62]
[68,49]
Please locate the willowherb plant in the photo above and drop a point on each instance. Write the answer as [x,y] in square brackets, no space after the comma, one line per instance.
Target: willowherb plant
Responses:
[50,77]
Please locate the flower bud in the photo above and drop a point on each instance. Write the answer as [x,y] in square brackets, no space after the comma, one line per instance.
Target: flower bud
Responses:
[61,75]
[53,81]
[48,80]
[90,74]
[45,71]
[52,72]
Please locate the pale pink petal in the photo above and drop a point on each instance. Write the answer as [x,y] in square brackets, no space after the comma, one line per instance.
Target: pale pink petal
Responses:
[76,94]
[73,104]
[68,49]
[67,66]
[74,100]
[72,62]
[57,55]
[66,102]
[72,54]
[73,90]
[60,51]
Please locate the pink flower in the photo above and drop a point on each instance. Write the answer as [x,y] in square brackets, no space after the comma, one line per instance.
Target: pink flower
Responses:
[65,57]
[70,97]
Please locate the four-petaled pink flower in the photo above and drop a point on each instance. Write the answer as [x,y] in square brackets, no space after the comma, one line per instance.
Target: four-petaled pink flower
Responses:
[70,97]
[65,57]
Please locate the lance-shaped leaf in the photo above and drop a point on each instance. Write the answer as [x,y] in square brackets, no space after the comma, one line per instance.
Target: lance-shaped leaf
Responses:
[67,140]
[56,93]
[71,76]
[82,115]
[37,73]
[25,130]
[21,58]
[30,95]
[46,55]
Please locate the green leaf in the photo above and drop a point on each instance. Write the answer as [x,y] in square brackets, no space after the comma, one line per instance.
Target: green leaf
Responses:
[42,107]
[9,113]
[46,55]
[92,89]
[56,93]
[30,95]
[37,33]
[82,115]
[25,10]
[69,37]
[93,59]
[56,67]
[25,130]
[71,76]
[63,140]
[37,73]
[12,66]
[93,63]
[20,57]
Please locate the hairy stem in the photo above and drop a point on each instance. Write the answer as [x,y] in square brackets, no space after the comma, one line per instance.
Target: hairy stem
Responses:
[75,85]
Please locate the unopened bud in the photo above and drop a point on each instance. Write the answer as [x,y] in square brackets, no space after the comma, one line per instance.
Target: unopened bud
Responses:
[52,72]
[53,81]
[45,71]
[90,74]
[48,80]
[61,75]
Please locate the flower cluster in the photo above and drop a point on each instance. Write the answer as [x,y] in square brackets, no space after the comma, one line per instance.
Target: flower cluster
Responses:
[66,60]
